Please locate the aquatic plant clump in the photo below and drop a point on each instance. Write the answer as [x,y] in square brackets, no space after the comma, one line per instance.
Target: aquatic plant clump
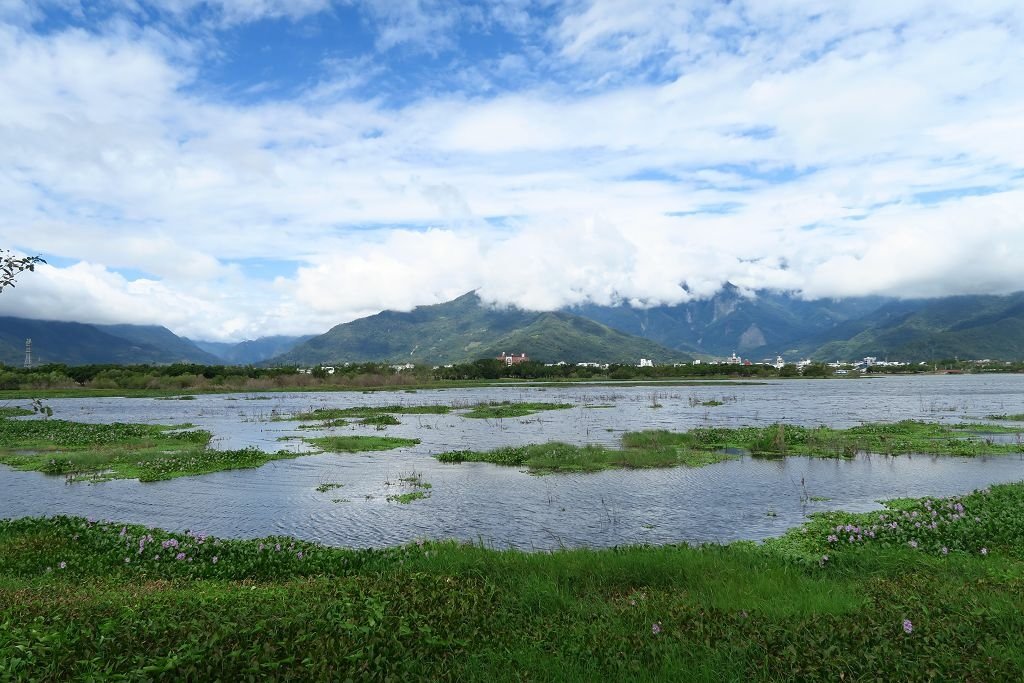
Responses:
[96,452]
[365,412]
[709,445]
[507,409]
[640,450]
[976,524]
[908,436]
[358,443]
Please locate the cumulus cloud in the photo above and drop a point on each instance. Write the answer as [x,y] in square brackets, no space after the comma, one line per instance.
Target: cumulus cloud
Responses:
[656,151]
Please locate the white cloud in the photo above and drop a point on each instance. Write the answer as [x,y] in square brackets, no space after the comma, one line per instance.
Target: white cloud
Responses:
[781,144]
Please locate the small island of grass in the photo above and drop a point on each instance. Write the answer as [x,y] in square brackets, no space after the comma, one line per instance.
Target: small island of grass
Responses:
[359,443]
[364,412]
[505,409]
[118,450]
[708,445]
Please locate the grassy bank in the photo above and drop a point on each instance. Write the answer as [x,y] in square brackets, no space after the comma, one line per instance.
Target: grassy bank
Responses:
[704,446]
[94,600]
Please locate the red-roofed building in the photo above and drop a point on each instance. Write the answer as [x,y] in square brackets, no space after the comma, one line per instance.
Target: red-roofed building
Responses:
[513,360]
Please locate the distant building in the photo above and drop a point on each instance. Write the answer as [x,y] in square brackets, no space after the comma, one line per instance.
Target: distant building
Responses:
[734,359]
[646,363]
[513,359]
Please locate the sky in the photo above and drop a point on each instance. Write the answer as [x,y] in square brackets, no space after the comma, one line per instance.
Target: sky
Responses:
[239,168]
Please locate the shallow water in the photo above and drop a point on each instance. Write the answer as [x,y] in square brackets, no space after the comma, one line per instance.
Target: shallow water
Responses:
[740,499]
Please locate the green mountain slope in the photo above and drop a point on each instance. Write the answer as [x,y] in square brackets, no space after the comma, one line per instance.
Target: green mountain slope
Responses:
[171,345]
[958,326]
[79,343]
[765,324]
[464,329]
[252,350]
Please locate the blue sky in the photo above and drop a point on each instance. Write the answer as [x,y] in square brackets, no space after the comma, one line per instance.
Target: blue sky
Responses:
[239,168]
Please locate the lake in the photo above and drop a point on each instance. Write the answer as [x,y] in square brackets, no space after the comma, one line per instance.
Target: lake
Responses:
[747,498]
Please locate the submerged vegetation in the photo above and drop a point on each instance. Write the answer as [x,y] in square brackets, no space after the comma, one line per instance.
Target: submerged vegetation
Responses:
[707,445]
[85,600]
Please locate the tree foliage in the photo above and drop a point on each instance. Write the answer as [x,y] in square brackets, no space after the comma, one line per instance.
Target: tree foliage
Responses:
[12,265]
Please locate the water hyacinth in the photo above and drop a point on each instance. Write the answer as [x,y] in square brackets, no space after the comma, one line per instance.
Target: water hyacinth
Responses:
[656,628]
[908,627]
[940,526]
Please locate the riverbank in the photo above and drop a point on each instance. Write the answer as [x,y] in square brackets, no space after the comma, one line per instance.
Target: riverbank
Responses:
[83,599]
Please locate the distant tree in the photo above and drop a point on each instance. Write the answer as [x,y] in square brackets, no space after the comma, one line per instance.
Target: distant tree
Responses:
[11,266]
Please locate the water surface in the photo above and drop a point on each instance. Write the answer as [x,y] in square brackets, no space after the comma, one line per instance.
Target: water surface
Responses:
[741,499]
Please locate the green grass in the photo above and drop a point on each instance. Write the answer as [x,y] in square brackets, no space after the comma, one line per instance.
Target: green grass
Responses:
[366,412]
[288,609]
[358,443]
[705,446]
[505,409]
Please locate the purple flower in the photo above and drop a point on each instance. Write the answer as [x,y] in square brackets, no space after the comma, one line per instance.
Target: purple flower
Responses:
[180,556]
[945,550]
[63,565]
[984,551]
[656,628]
[261,547]
[277,547]
[832,538]
[299,555]
[908,627]
[214,560]
[912,543]
[127,560]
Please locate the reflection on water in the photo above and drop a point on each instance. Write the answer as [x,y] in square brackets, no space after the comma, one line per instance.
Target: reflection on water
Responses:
[739,499]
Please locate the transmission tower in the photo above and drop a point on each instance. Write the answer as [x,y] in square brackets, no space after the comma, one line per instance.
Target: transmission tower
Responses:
[28,353]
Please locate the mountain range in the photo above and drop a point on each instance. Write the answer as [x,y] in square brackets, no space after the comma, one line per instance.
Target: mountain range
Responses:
[464,329]
[756,325]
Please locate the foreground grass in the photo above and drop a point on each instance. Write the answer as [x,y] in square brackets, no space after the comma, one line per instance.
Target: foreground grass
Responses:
[704,446]
[88,600]
[504,409]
